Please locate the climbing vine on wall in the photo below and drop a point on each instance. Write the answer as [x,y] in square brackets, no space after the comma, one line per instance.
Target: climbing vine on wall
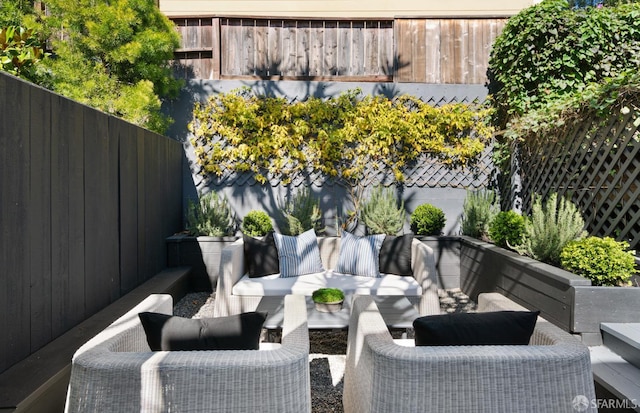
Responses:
[345,137]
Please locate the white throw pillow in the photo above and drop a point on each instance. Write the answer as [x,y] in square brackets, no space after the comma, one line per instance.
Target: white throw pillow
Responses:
[298,255]
[360,255]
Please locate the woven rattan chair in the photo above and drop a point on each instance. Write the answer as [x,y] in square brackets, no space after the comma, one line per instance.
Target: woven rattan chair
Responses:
[116,371]
[549,375]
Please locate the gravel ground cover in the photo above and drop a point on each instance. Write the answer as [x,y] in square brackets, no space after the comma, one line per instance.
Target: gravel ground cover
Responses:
[327,348]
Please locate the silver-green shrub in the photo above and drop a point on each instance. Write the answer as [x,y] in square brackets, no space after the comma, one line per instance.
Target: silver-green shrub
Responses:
[381,213]
[210,216]
[479,209]
[301,213]
[550,228]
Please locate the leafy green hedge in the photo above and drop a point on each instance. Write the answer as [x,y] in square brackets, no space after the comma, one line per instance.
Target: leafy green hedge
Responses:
[604,261]
[549,51]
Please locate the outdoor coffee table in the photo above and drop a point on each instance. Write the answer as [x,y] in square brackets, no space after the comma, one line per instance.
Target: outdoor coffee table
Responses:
[396,310]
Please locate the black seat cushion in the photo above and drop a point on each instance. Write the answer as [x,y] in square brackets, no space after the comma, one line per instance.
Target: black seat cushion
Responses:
[460,329]
[237,332]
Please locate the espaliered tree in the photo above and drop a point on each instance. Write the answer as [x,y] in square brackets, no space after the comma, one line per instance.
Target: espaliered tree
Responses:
[348,138]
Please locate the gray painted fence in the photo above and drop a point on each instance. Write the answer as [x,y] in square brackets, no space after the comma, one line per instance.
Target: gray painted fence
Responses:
[86,201]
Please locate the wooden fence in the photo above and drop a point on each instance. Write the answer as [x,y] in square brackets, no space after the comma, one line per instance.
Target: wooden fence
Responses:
[435,50]
[597,166]
[86,202]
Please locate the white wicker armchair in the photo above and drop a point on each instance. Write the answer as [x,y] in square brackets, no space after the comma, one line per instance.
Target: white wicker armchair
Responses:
[382,376]
[116,371]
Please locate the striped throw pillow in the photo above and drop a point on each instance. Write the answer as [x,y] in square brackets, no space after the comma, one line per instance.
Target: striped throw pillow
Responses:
[298,255]
[360,255]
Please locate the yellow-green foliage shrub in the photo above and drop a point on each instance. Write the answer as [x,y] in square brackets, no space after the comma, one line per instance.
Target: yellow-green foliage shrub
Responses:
[256,223]
[342,137]
[602,260]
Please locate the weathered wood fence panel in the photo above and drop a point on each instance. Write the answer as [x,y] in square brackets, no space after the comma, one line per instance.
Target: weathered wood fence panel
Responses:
[444,50]
[87,201]
[597,166]
[432,50]
[305,48]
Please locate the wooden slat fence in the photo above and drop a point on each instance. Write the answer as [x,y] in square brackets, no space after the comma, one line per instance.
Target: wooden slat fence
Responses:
[86,203]
[597,166]
[444,50]
[453,51]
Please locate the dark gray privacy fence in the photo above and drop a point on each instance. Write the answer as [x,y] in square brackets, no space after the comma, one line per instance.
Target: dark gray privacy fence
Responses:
[597,165]
[86,201]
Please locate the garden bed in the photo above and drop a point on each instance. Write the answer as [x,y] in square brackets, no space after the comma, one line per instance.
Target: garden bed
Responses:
[565,299]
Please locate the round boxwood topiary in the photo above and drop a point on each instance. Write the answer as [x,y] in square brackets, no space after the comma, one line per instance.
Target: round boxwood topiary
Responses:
[256,223]
[507,229]
[427,220]
[604,261]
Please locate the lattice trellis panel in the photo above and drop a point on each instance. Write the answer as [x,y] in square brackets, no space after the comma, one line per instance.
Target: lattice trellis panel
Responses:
[597,166]
[425,174]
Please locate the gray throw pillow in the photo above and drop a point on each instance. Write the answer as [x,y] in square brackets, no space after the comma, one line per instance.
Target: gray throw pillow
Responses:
[260,255]
[395,255]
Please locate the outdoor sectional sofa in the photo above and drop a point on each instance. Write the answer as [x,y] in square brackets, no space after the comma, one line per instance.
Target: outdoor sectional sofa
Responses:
[236,292]
[117,372]
[550,375]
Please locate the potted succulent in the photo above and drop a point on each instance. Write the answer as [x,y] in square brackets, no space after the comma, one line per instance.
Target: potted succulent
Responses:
[328,300]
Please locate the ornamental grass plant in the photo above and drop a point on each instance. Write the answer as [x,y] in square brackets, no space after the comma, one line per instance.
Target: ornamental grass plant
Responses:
[301,213]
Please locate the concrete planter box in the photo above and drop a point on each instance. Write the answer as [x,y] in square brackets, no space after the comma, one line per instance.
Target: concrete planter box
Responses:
[202,254]
[564,298]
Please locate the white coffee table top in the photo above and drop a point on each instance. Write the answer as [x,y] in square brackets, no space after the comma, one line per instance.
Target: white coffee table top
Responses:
[396,311]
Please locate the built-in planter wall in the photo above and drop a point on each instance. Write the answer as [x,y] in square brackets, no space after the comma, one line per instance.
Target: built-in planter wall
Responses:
[202,254]
[565,299]
[446,251]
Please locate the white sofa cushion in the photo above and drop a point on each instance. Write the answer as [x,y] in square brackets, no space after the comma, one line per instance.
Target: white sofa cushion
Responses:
[274,285]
